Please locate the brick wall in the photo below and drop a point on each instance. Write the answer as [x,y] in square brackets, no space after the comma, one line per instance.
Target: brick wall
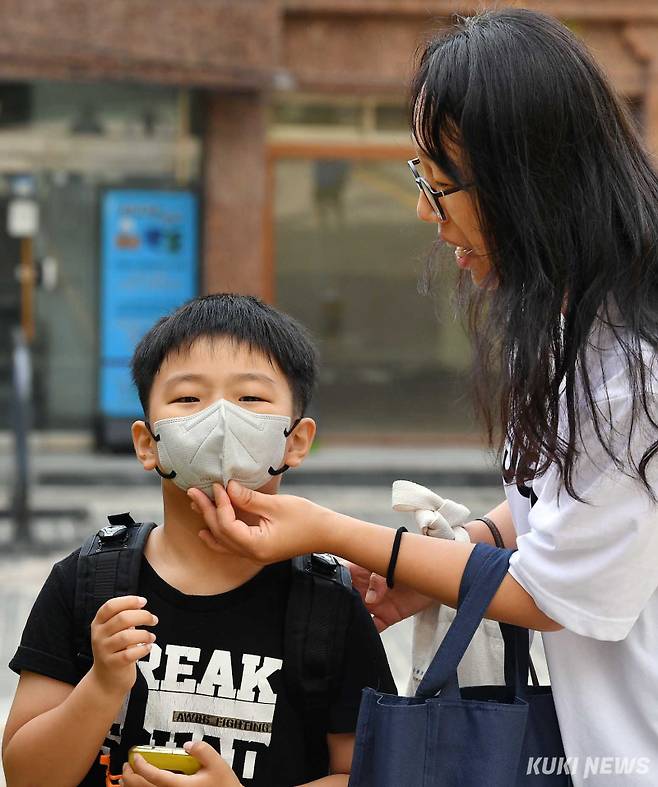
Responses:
[208,43]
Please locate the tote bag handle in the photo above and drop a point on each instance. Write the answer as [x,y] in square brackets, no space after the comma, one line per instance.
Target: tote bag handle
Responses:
[517,658]
[486,569]
[516,639]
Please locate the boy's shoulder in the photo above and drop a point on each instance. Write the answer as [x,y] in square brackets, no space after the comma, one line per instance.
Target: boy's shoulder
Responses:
[116,550]
[109,561]
[67,564]
[63,572]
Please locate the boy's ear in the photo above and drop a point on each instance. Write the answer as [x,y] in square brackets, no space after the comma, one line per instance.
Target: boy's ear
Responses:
[145,447]
[299,443]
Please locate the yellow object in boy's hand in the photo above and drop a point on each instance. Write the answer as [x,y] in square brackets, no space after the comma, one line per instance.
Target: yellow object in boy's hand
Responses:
[213,771]
[166,759]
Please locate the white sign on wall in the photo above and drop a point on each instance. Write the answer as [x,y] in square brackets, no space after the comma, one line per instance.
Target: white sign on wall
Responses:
[22,218]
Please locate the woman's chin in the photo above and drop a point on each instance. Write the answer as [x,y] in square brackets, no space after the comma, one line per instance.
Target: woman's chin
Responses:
[484,279]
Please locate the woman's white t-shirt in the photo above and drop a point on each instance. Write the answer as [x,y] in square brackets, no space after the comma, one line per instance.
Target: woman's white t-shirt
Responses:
[593,568]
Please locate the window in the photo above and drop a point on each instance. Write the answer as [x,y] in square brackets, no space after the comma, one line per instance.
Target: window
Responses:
[349,255]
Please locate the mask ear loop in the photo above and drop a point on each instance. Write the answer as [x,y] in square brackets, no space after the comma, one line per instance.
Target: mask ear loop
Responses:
[166,476]
[287,433]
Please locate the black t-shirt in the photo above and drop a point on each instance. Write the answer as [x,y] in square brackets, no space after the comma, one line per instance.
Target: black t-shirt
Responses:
[215,672]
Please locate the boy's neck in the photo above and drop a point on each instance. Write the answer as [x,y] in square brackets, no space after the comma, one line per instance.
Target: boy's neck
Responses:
[180,557]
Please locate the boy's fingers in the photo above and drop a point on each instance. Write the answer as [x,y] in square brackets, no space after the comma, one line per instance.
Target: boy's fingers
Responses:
[128,619]
[153,775]
[115,605]
[205,754]
[130,779]
[360,577]
[128,655]
[135,652]
[130,638]
[380,624]
[376,589]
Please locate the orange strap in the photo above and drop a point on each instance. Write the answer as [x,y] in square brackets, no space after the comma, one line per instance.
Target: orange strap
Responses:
[110,780]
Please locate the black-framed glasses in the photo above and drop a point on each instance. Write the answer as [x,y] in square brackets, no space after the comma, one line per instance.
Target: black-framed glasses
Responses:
[431,195]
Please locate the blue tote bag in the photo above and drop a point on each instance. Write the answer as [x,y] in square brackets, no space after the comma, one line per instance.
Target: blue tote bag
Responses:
[449,736]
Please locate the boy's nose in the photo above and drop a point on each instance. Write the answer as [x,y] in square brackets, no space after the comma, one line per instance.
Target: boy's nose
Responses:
[424,210]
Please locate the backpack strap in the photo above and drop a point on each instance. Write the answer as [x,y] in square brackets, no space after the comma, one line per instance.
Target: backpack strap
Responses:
[317,617]
[108,566]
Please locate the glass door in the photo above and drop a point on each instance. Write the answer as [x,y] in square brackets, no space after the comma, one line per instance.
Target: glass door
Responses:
[349,256]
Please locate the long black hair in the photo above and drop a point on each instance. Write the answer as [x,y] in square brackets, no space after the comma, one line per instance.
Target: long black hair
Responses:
[568,204]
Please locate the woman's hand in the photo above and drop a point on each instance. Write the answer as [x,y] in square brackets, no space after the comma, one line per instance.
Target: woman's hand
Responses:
[387,605]
[283,525]
[214,771]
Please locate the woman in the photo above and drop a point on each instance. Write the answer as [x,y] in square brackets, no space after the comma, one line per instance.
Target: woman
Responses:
[531,169]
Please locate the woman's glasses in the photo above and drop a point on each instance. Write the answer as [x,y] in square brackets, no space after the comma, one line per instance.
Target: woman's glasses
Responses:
[431,195]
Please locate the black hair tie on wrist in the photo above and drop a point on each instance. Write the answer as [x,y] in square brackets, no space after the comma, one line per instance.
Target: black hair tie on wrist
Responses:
[394,556]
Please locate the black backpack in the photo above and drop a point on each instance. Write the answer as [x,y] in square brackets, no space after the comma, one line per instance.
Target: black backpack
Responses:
[317,615]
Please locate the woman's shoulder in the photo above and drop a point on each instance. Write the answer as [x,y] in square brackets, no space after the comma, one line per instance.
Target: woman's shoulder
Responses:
[619,365]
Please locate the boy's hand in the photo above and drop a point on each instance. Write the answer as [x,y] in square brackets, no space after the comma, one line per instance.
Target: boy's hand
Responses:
[214,772]
[387,605]
[117,644]
[285,525]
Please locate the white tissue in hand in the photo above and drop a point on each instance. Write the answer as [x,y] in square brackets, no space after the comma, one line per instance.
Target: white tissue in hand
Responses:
[435,516]
[482,663]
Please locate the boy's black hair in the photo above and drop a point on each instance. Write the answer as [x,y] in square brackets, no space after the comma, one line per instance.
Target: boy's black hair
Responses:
[243,319]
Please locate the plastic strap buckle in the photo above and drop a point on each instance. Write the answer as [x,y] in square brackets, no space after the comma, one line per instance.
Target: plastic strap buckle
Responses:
[324,563]
[110,780]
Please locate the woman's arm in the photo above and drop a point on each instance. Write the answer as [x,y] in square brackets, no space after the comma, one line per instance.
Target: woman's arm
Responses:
[501,516]
[290,526]
[389,606]
[433,567]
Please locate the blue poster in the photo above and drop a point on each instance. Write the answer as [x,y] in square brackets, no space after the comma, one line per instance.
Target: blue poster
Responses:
[149,266]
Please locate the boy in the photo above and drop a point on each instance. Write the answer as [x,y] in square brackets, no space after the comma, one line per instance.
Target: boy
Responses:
[224,383]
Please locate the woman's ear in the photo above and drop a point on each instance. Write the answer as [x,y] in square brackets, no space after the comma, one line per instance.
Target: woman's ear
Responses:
[144,443]
[299,443]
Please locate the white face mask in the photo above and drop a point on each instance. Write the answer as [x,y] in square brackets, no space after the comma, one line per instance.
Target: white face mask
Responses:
[221,443]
